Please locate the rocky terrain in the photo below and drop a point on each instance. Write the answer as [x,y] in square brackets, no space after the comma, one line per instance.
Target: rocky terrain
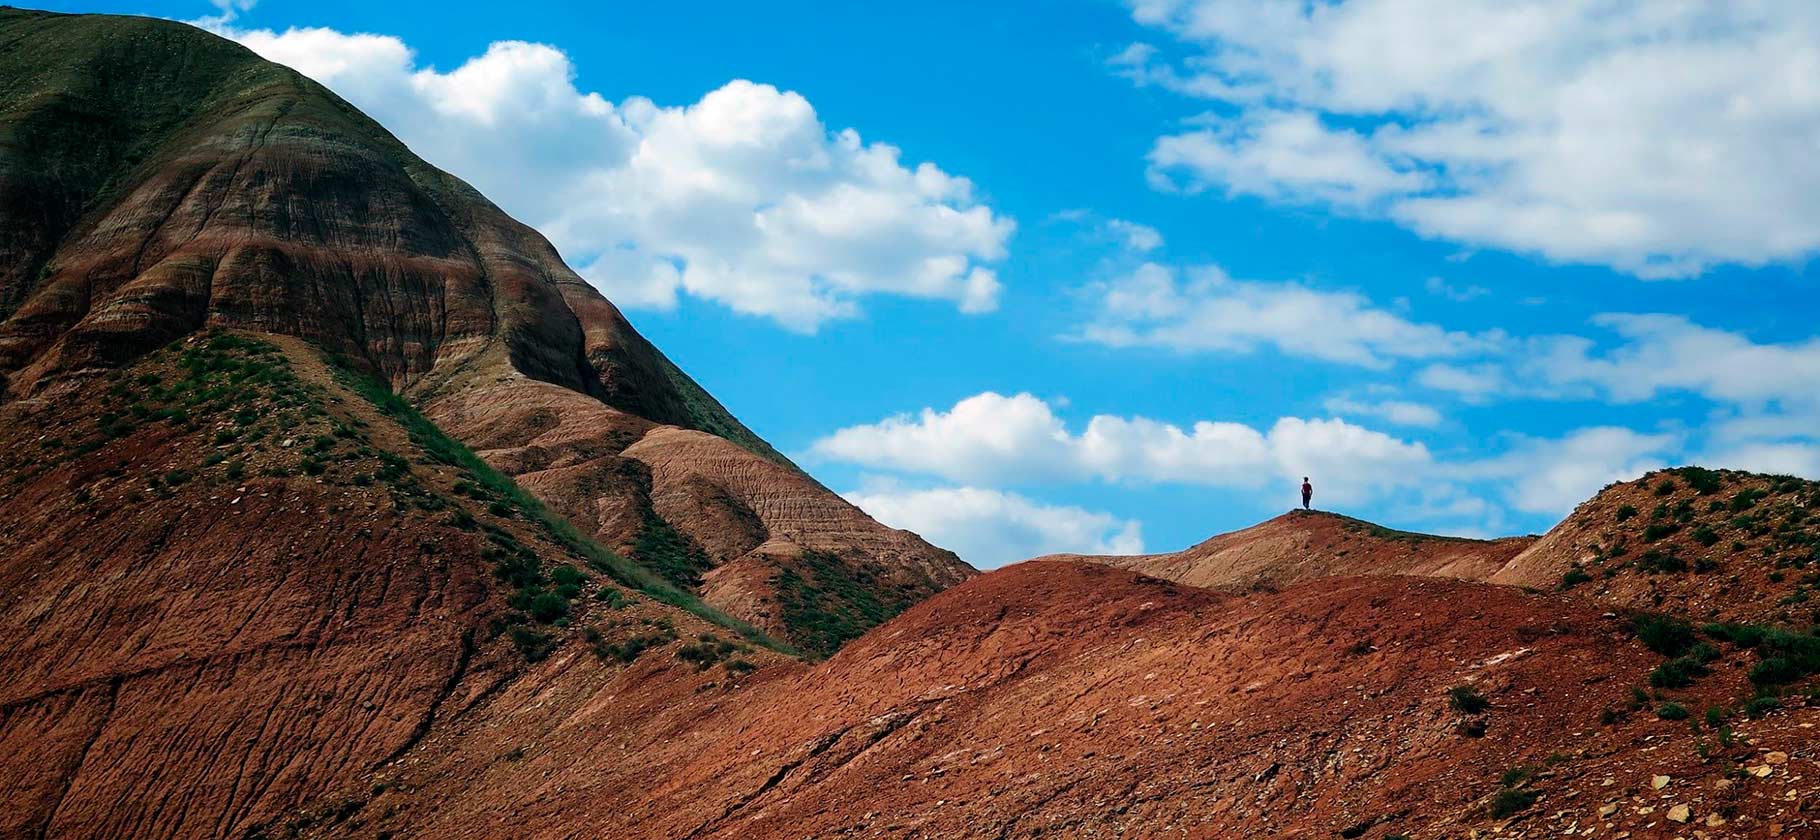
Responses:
[1710,544]
[338,507]
[158,180]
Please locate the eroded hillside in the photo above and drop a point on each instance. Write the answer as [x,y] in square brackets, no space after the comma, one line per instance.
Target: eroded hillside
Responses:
[158,180]
[237,578]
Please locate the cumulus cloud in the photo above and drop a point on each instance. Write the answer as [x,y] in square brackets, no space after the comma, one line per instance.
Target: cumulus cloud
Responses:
[744,197]
[1551,476]
[1199,309]
[1399,412]
[992,439]
[990,528]
[1649,355]
[1800,458]
[1279,155]
[1656,138]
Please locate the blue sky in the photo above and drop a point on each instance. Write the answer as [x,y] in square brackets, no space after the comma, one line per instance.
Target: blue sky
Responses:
[1092,276]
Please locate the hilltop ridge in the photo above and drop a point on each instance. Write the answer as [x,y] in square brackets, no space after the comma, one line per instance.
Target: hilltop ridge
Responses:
[1305,544]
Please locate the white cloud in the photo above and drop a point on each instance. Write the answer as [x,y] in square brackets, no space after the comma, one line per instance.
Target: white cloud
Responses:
[1657,138]
[1279,155]
[1136,237]
[1654,354]
[743,197]
[992,439]
[1458,294]
[1400,412]
[1551,476]
[990,528]
[1776,458]
[1203,309]
[1662,353]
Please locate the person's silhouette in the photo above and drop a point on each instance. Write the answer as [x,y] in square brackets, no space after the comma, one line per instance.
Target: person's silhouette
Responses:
[1307,493]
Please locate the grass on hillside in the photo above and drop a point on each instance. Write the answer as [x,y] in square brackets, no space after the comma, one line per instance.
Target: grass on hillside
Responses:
[833,604]
[510,499]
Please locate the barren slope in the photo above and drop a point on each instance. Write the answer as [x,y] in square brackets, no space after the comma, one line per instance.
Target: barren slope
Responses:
[155,179]
[231,585]
[1302,545]
[1071,699]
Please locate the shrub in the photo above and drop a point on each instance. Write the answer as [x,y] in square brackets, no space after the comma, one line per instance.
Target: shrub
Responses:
[1703,481]
[1512,801]
[1745,499]
[1467,700]
[1657,530]
[547,606]
[1654,560]
[1663,634]
[1762,705]
[533,645]
[1626,512]
[1671,711]
[1742,635]
[1574,577]
[567,575]
[1666,487]
[1787,657]
[1677,673]
[1705,536]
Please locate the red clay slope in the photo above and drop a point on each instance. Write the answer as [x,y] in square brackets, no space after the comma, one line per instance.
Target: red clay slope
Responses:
[1302,545]
[232,587]
[1707,544]
[156,179]
[1055,699]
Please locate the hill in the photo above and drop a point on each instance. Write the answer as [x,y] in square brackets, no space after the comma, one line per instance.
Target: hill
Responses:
[338,507]
[1708,544]
[158,180]
[1302,545]
[251,577]
[1072,699]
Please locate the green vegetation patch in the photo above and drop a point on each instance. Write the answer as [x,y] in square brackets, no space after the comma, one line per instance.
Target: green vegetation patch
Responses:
[827,603]
[669,552]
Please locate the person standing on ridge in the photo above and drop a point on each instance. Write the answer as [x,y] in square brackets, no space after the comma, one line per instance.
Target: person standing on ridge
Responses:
[1307,493]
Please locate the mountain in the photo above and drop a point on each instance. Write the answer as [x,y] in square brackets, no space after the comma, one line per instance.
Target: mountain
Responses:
[158,180]
[337,507]
[1301,545]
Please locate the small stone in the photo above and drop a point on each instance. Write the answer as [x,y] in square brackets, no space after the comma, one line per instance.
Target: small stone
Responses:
[1775,758]
[1760,770]
[1609,809]
[1658,782]
[1713,820]
[1680,813]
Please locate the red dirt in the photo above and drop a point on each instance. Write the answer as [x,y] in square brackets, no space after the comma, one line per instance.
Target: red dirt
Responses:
[1712,555]
[314,645]
[1064,699]
[190,184]
[1303,545]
